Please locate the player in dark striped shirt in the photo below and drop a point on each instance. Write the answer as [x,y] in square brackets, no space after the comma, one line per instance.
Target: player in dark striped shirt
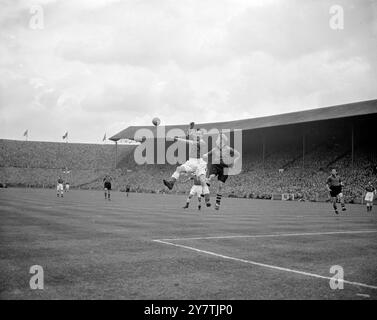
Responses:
[223,157]
[334,186]
[107,186]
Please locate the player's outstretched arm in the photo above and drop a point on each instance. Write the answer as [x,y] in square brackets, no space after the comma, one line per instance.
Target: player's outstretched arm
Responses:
[237,155]
[191,142]
[182,140]
[206,155]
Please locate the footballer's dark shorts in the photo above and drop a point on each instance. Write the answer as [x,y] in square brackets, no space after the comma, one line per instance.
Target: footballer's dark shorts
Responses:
[107,185]
[335,190]
[218,170]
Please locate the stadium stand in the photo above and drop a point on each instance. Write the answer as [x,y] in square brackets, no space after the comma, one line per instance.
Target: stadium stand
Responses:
[292,155]
[36,169]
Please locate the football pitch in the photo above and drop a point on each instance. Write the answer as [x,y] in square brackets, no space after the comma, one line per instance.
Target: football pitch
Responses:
[147,247]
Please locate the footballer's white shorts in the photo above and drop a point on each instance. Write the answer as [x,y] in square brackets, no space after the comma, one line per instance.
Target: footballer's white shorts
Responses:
[369,196]
[67,187]
[59,187]
[196,190]
[196,166]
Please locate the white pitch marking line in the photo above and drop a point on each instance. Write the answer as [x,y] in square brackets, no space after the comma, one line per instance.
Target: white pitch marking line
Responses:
[266,265]
[272,235]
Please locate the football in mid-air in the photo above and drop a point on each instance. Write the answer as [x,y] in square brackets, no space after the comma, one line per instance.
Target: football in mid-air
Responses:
[156,121]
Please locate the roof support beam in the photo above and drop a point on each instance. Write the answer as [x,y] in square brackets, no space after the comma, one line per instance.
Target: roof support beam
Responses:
[352,144]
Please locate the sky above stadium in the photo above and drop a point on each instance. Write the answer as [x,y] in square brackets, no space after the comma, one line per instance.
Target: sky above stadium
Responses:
[95,66]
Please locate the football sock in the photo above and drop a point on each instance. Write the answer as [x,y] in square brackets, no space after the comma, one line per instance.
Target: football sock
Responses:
[207,199]
[218,199]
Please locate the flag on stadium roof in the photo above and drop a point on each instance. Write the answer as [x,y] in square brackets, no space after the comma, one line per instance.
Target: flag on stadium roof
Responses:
[104,137]
[65,135]
[26,134]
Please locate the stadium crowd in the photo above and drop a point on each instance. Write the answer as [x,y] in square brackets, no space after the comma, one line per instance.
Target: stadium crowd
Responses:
[38,164]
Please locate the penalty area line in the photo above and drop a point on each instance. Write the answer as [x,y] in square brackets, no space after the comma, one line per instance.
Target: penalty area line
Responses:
[259,264]
[271,235]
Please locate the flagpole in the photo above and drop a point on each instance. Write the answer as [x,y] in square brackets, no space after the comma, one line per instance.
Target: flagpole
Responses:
[65,137]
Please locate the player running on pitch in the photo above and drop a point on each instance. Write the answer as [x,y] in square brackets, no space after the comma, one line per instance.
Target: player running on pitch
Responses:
[107,186]
[59,187]
[223,157]
[197,190]
[66,186]
[127,189]
[369,196]
[334,186]
[195,165]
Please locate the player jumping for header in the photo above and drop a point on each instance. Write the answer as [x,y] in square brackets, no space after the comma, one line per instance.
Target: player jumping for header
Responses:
[369,196]
[334,186]
[223,158]
[195,165]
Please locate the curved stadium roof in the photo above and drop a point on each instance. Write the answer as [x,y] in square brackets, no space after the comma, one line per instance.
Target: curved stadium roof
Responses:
[334,112]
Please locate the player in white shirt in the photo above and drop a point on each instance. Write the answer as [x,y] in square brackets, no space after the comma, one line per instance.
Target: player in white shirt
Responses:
[369,196]
[197,190]
[59,187]
[195,165]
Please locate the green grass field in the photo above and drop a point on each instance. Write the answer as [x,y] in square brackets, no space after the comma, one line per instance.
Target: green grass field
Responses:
[147,247]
